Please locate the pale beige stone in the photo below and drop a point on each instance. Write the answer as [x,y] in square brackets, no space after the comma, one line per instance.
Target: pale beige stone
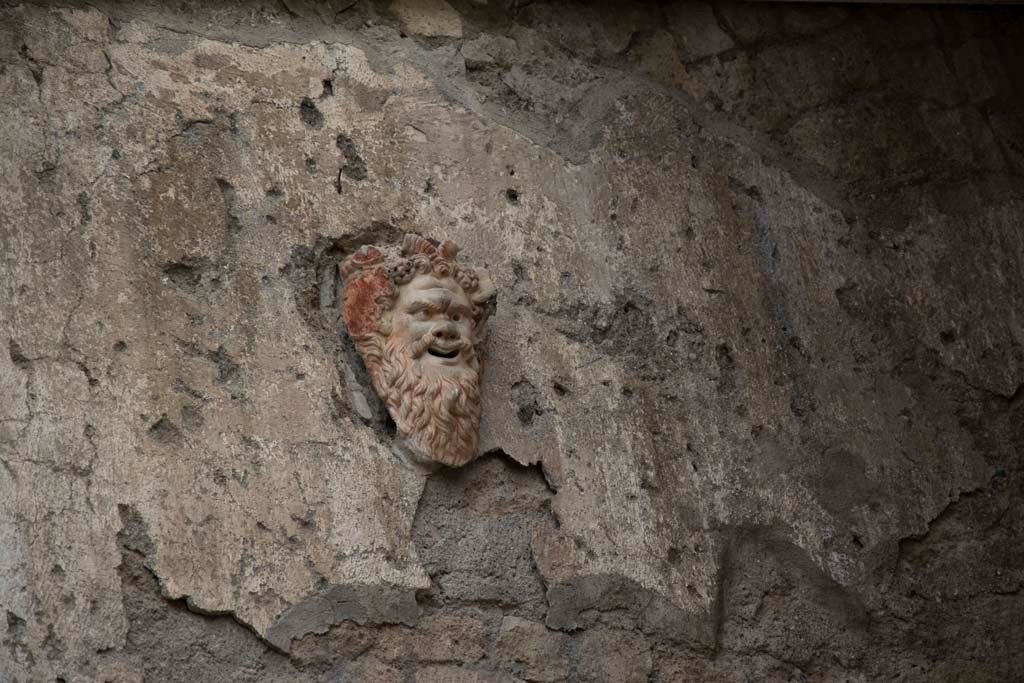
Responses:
[621,656]
[657,56]
[532,651]
[428,17]
[346,639]
[697,29]
[458,674]
[372,670]
[394,643]
[450,638]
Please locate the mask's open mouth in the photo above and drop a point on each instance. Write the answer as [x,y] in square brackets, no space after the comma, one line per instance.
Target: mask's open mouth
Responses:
[441,353]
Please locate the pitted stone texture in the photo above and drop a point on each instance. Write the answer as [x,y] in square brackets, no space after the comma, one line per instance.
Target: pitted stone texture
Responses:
[456,674]
[532,651]
[431,18]
[759,355]
[451,638]
[614,656]
[475,531]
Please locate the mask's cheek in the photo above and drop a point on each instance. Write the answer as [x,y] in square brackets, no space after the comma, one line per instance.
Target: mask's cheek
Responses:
[404,327]
[416,330]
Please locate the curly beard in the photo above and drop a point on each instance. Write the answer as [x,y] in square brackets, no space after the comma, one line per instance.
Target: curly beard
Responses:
[438,414]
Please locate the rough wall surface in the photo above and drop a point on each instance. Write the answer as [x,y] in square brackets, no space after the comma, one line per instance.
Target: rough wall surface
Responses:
[753,390]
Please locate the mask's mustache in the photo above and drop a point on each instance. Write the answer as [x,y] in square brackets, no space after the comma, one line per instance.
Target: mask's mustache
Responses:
[420,346]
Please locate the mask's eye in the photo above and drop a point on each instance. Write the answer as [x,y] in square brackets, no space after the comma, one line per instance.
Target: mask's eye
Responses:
[456,317]
[423,314]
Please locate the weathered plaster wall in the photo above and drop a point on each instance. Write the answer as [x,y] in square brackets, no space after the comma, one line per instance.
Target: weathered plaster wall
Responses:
[753,396]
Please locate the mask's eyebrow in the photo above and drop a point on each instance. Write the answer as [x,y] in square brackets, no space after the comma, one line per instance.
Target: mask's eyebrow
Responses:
[454,308]
[429,306]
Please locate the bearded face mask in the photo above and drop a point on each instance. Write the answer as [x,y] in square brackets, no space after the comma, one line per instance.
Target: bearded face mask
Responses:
[416,317]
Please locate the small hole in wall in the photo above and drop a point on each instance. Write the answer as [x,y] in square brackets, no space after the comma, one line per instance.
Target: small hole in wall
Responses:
[328,88]
[389,425]
[512,195]
[309,114]
[856,542]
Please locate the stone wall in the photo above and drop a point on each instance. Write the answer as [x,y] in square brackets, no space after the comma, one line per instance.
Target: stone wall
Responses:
[752,399]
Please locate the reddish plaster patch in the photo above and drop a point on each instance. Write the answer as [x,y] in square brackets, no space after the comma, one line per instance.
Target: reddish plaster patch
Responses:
[362,293]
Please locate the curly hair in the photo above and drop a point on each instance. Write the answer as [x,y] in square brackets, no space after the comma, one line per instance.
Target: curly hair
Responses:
[373,275]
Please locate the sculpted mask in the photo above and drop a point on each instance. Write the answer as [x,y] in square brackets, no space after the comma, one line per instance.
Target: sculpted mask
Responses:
[416,317]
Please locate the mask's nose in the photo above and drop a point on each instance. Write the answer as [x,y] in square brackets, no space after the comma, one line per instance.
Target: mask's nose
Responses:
[446,331]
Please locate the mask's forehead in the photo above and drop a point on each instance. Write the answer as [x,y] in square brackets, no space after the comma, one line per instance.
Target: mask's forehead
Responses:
[440,291]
